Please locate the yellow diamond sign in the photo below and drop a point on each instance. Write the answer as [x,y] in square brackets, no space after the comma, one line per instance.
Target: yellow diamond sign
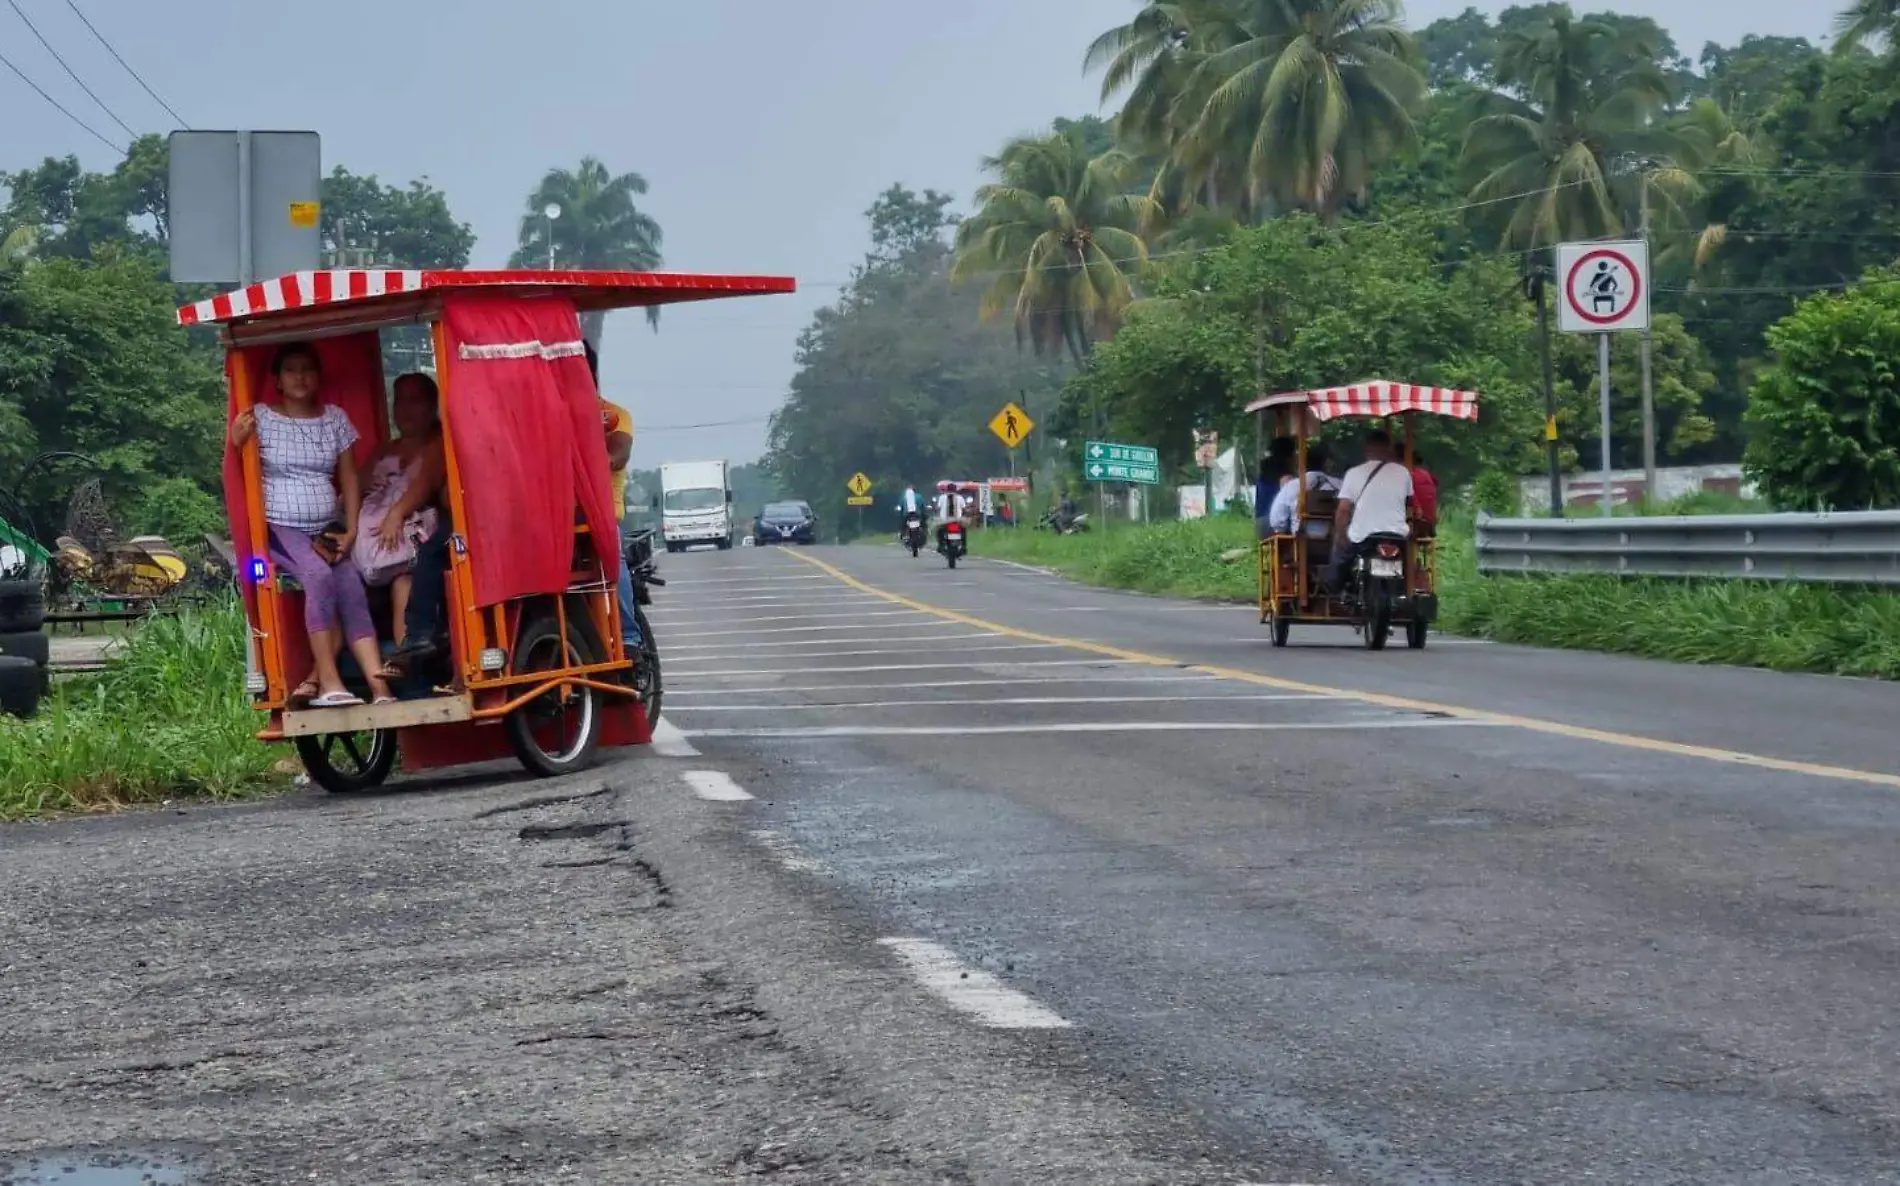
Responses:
[1012,424]
[859,484]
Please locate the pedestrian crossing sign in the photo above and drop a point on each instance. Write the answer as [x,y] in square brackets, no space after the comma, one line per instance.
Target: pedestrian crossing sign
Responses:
[859,484]
[1012,424]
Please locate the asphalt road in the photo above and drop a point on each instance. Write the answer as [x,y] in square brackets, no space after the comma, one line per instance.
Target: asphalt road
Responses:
[986,877]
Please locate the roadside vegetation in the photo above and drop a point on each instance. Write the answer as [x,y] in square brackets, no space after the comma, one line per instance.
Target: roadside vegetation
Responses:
[1776,625]
[168,720]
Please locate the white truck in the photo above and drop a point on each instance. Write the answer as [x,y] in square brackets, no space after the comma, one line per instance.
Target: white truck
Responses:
[695,504]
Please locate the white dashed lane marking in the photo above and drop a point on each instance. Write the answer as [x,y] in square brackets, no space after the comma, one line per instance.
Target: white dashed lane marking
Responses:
[788,855]
[971,990]
[669,742]
[715,786]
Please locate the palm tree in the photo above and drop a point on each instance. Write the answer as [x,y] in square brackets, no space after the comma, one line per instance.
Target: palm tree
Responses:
[598,227]
[1059,234]
[1865,21]
[18,243]
[1576,99]
[1682,197]
[1152,57]
[1300,99]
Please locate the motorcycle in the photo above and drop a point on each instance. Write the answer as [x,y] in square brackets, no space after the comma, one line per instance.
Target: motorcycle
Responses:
[951,543]
[645,571]
[1379,585]
[913,533]
[1053,521]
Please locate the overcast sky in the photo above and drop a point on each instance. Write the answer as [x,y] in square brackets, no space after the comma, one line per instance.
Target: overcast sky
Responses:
[765,127]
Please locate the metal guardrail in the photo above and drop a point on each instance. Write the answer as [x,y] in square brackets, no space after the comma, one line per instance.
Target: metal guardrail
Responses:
[1853,547]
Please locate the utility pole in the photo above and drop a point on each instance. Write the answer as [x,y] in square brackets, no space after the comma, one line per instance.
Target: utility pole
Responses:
[1550,394]
[1649,398]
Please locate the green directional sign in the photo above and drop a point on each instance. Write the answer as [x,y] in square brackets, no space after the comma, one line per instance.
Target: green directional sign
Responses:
[1104,461]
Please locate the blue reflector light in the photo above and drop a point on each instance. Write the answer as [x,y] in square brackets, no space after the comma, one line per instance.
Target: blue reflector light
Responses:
[257,570]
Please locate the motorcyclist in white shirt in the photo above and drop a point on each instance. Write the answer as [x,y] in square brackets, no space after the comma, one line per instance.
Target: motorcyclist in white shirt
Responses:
[1372,501]
[912,504]
[950,505]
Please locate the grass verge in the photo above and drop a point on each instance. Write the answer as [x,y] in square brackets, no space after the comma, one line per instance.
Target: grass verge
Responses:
[169,719]
[1783,627]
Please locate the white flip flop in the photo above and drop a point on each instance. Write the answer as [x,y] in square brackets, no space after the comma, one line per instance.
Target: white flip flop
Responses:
[336,700]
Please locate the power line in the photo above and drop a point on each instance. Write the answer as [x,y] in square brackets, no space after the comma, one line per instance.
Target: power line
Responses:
[60,107]
[73,74]
[179,119]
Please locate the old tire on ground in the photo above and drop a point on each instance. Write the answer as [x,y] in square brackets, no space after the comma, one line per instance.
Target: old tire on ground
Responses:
[22,607]
[22,682]
[347,763]
[32,645]
[558,731]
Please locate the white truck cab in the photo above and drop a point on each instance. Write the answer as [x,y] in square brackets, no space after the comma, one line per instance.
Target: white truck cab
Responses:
[695,504]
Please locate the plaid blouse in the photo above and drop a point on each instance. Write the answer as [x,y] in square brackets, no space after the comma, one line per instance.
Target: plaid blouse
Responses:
[299,461]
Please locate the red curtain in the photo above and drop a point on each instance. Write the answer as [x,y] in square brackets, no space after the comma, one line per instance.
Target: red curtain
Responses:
[524,420]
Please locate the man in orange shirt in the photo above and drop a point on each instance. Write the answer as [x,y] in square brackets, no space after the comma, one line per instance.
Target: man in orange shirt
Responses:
[618,425]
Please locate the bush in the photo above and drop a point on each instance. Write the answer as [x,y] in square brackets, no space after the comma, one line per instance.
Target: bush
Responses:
[1825,415]
[171,718]
[1496,493]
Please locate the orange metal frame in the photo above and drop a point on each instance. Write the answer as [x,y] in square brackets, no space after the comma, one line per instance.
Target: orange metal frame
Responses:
[472,629]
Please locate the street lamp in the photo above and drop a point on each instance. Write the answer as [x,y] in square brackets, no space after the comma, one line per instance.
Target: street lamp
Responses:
[553,211]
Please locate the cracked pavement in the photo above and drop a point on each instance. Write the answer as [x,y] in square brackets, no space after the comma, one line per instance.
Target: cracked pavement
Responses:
[489,981]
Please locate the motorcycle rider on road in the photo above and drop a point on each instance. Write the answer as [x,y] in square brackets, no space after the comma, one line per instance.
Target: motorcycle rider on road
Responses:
[912,505]
[949,510]
[1372,501]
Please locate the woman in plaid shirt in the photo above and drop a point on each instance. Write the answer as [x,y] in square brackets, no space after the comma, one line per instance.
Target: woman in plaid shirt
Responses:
[310,484]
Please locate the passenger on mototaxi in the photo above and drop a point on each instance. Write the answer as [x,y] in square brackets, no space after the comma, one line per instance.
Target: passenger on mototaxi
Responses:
[1372,502]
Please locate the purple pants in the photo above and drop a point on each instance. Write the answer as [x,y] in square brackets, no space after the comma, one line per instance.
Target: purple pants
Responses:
[333,594]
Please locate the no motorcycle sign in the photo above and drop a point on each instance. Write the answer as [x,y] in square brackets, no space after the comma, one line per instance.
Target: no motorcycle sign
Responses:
[1604,287]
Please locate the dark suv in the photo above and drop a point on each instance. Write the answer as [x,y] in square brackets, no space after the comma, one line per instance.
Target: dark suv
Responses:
[785,522]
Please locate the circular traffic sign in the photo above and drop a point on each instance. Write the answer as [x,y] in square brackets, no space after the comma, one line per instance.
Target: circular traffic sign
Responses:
[1602,286]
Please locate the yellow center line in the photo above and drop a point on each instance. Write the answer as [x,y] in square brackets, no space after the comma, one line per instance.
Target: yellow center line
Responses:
[1403,703]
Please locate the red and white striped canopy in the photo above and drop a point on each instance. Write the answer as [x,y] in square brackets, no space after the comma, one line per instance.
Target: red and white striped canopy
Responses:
[590,290]
[1377,397]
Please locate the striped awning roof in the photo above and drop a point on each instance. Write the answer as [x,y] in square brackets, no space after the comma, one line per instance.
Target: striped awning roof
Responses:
[1376,397]
[343,286]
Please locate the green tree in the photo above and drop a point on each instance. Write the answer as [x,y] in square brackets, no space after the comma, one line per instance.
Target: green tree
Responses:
[1745,79]
[599,226]
[899,376]
[1576,102]
[369,224]
[72,211]
[1825,412]
[1459,49]
[1058,236]
[366,223]
[1266,312]
[91,360]
[1306,97]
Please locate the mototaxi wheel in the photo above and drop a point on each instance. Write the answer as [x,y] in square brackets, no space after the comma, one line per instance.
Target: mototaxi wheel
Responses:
[1415,631]
[348,763]
[646,673]
[558,731]
[1281,629]
[1378,615]
[952,557]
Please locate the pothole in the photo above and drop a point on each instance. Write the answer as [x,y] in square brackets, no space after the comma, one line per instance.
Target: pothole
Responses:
[69,1168]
